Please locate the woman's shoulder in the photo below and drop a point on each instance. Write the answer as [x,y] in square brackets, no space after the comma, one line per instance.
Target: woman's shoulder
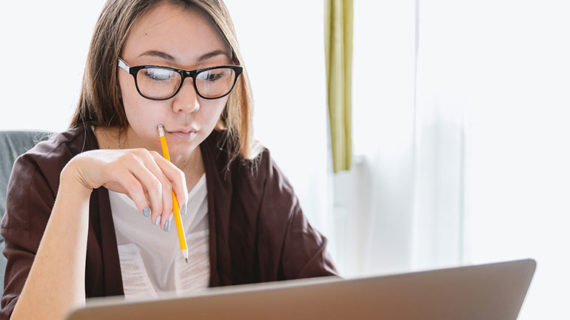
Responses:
[34,179]
[49,157]
[222,153]
[62,146]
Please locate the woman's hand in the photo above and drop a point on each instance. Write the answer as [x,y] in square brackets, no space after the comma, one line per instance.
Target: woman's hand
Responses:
[143,175]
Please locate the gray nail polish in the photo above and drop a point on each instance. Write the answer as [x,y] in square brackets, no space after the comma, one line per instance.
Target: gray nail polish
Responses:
[146,212]
[157,221]
[184,209]
[167,226]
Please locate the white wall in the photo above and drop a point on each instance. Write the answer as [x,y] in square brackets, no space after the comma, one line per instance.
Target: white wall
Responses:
[43,51]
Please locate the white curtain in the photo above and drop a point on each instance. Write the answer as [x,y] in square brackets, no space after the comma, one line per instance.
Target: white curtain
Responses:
[402,202]
[380,210]
[461,126]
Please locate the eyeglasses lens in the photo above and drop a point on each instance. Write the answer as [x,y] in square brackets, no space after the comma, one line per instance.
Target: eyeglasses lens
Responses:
[158,83]
[215,83]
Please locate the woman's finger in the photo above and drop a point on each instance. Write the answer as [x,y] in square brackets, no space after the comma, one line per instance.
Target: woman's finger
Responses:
[175,176]
[134,189]
[150,183]
[166,194]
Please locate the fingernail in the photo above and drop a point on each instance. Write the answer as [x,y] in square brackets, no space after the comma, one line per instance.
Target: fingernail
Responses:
[146,212]
[157,221]
[167,226]
[184,209]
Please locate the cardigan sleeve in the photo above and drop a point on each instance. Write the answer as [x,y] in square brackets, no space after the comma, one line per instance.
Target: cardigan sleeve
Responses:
[286,231]
[304,250]
[29,201]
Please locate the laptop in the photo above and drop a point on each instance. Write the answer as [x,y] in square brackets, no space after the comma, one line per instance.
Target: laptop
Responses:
[489,291]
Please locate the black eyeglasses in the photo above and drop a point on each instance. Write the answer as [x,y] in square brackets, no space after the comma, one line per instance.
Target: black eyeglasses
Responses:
[163,83]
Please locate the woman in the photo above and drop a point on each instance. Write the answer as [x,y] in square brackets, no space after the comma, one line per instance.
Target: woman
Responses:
[89,212]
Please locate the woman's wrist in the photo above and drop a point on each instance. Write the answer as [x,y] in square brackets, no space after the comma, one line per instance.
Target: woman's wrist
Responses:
[71,179]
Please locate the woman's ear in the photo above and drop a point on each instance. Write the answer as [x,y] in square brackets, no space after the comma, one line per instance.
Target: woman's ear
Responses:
[222,124]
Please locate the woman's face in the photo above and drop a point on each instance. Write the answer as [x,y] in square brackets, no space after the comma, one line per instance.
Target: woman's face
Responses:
[169,35]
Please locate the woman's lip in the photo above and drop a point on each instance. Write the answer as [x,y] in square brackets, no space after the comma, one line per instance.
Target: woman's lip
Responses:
[191,130]
[182,134]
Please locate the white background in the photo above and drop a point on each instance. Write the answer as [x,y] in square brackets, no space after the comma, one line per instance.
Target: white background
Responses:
[496,72]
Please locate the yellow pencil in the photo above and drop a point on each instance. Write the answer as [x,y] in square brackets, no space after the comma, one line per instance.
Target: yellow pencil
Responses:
[177,217]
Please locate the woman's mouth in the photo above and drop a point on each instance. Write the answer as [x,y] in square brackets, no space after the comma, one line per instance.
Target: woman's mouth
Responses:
[184,134]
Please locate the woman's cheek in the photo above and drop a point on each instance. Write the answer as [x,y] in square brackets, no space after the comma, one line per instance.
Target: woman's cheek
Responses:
[143,118]
[211,111]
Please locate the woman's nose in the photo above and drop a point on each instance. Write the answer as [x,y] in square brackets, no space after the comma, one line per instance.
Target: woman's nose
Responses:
[186,100]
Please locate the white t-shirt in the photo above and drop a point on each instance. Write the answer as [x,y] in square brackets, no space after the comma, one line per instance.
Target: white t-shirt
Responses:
[150,258]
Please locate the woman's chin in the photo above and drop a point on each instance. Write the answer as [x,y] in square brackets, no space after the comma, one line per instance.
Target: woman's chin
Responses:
[182,145]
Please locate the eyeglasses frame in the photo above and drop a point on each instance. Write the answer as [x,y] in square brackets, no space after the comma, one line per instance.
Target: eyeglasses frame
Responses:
[183,74]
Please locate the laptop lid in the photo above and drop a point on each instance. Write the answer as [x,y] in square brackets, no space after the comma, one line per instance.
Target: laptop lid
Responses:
[490,291]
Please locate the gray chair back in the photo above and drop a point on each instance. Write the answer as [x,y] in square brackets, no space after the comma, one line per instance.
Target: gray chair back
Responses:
[12,144]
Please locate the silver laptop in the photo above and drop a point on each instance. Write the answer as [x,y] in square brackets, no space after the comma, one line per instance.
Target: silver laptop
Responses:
[490,291]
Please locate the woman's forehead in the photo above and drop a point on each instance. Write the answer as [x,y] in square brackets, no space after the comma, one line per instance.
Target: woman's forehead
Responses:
[184,34]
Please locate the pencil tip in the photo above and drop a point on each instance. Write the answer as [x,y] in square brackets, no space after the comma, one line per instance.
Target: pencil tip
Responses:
[186,260]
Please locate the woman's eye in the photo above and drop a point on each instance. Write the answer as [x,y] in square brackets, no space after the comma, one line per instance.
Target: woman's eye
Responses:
[158,74]
[212,75]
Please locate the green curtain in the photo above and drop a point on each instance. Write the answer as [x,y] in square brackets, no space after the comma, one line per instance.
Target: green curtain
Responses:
[338,52]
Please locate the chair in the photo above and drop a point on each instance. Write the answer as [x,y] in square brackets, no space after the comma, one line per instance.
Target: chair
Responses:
[12,144]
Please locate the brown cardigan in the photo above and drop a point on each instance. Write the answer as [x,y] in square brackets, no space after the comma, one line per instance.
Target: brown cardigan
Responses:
[258,232]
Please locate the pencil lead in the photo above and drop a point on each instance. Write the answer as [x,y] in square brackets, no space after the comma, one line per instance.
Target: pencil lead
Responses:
[186,260]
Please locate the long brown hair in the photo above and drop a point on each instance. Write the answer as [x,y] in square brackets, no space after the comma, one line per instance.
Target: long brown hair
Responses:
[100,103]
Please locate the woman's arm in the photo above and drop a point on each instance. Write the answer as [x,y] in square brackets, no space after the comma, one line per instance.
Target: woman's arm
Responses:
[56,281]
[286,233]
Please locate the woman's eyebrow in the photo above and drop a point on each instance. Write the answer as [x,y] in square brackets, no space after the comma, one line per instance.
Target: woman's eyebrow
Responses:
[160,54]
[212,54]
[166,56]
